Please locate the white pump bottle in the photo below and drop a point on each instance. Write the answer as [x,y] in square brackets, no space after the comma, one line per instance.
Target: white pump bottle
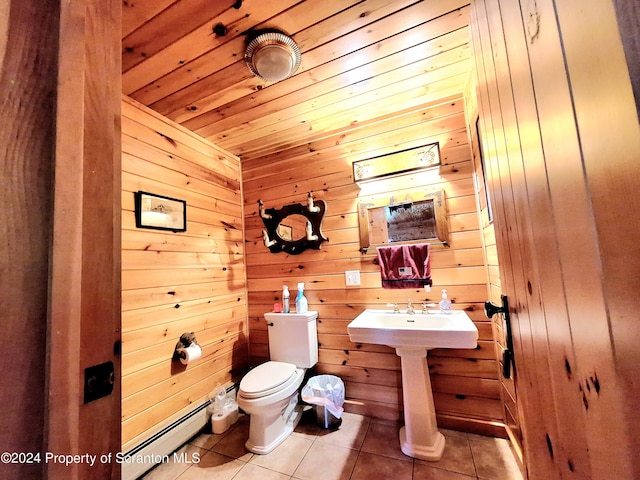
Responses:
[445,303]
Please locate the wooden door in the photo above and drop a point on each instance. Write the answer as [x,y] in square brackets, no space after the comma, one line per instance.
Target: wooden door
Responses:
[28,30]
[562,140]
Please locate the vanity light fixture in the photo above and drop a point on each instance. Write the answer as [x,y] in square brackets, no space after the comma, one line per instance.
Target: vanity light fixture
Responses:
[272,56]
[396,163]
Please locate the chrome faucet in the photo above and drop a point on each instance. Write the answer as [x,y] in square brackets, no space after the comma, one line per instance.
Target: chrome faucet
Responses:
[410,307]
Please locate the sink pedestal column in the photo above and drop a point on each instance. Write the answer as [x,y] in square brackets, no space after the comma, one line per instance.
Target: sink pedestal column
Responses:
[419,438]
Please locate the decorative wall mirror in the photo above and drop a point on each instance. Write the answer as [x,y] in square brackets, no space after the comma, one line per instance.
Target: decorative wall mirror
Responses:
[293,228]
[414,218]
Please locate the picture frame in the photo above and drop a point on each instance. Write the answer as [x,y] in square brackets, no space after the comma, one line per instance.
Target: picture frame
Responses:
[160,212]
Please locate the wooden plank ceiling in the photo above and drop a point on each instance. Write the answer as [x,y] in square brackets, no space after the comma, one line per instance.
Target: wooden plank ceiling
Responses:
[363,62]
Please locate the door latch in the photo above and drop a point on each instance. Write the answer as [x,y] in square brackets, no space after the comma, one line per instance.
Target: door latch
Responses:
[507,353]
[98,381]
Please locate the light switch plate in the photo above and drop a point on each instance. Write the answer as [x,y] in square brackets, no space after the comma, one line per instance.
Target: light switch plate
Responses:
[352,278]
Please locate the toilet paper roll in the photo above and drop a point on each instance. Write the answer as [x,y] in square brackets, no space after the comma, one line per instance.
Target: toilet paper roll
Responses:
[190,354]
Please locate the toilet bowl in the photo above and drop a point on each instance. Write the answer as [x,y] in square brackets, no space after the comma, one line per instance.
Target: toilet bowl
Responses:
[269,394]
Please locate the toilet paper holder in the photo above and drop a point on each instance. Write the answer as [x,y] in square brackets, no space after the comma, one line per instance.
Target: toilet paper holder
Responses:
[186,340]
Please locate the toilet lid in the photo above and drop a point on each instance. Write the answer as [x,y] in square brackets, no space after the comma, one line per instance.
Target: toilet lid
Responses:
[267,378]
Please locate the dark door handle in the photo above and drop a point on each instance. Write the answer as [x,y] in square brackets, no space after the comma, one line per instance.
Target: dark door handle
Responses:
[507,354]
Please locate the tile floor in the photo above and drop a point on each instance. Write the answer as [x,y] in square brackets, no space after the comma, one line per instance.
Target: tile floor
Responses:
[361,449]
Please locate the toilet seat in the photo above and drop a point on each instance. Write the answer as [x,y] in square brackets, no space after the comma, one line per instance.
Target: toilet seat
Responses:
[268,378]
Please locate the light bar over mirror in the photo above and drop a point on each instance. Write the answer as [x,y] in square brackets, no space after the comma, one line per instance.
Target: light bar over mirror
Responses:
[396,163]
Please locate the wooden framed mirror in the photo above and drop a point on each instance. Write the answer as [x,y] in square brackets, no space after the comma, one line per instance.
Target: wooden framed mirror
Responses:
[411,219]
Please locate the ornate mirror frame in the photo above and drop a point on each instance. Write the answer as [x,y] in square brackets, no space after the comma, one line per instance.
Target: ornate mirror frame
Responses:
[313,211]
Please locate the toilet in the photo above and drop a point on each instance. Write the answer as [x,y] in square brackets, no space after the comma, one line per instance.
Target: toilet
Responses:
[269,392]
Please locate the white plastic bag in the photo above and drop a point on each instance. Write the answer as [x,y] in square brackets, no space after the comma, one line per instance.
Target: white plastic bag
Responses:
[325,390]
[218,399]
[223,410]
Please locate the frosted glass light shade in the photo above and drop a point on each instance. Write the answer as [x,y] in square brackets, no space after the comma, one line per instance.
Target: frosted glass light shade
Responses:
[272,56]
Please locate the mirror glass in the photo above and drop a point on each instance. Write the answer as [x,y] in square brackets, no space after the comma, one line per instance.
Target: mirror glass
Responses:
[403,222]
[386,220]
[292,227]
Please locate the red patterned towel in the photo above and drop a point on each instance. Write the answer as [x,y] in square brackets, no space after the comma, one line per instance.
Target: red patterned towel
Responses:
[405,266]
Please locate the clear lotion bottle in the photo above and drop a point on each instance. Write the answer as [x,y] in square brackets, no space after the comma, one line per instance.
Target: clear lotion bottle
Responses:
[301,302]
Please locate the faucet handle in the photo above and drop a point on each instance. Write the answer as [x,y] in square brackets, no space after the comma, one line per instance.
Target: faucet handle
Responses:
[395,307]
[428,305]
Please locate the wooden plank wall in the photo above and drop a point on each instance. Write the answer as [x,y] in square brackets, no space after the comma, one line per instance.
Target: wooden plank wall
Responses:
[508,385]
[568,248]
[178,282]
[466,389]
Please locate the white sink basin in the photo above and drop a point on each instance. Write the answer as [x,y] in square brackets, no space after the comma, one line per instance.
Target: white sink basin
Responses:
[413,336]
[430,330]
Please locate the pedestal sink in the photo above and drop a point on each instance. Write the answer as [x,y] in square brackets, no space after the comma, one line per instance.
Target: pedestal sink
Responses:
[412,335]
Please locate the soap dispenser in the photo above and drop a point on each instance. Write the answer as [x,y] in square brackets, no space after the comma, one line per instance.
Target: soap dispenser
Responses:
[445,303]
[285,299]
[301,302]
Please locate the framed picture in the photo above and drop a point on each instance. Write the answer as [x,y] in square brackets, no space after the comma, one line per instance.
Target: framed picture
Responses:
[160,212]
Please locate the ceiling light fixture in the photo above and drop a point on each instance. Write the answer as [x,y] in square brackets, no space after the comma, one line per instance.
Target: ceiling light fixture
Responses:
[272,56]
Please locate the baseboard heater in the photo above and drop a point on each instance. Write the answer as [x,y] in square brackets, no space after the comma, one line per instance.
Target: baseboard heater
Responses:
[159,448]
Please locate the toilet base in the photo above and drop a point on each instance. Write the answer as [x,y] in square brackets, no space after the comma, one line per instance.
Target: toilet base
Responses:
[265,435]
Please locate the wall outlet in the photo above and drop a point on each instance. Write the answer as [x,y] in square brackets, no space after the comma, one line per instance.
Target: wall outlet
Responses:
[352,278]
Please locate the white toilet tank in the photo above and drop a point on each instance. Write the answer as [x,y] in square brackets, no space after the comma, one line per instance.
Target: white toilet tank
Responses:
[293,338]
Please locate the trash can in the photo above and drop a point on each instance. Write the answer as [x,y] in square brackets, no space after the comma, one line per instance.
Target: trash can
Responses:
[326,394]
[324,418]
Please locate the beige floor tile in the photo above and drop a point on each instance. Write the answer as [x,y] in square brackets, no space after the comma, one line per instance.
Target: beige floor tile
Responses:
[457,454]
[314,453]
[326,461]
[165,471]
[286,457]
[206,440]
[350,434]
[254,472]
[384,421]
[212,465]
[232,444]
[493,458]
[383,439]
[172,469]
[370,466]
[422,471]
